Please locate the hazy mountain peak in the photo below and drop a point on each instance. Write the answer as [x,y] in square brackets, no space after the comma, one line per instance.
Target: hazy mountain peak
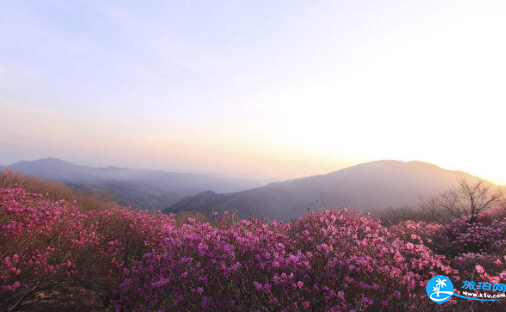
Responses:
[49,160]
[148,189]
[391,162]
[369,186]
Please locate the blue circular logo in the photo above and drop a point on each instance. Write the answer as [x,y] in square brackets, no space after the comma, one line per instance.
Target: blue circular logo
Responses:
[439,289]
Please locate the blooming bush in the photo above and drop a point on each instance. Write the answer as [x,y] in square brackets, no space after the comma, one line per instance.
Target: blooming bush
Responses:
[53,250]
[337,260]
[57,257]
[476,249]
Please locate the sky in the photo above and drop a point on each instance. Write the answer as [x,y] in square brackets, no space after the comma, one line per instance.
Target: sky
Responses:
[259,89]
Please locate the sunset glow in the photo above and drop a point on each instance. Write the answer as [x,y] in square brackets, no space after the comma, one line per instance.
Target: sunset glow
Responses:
[271,90]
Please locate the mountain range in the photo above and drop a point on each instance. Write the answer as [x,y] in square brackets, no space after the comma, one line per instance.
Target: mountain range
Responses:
[368,187]
[142,188]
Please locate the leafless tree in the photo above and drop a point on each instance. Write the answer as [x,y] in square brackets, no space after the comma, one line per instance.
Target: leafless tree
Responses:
[464,200]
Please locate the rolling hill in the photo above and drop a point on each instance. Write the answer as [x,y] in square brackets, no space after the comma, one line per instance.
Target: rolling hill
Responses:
[146,189]
[369,187]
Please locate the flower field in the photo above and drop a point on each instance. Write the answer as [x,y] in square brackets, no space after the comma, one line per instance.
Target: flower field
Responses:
[56,257]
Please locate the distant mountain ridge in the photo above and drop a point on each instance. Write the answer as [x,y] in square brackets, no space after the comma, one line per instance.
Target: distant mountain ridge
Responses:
[368,187]
[143,188]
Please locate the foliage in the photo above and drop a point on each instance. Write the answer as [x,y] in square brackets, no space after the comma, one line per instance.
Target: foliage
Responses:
[55,256]
[52,251]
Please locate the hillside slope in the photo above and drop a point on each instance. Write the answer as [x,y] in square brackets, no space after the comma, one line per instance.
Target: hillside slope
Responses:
[369,187]
[147,189]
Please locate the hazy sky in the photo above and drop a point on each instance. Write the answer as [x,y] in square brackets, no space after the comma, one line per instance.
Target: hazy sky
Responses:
[272,89]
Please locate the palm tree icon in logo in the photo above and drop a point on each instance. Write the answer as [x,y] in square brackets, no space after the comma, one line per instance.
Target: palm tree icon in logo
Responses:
[439,283]
[440,289]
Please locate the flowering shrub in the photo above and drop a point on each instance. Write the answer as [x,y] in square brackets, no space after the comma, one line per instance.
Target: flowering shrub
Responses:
[57,257]
[332,261]
[476,249]
[52,249]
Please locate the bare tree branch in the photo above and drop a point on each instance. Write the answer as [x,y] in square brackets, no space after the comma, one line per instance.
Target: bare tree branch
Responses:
[463,201]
